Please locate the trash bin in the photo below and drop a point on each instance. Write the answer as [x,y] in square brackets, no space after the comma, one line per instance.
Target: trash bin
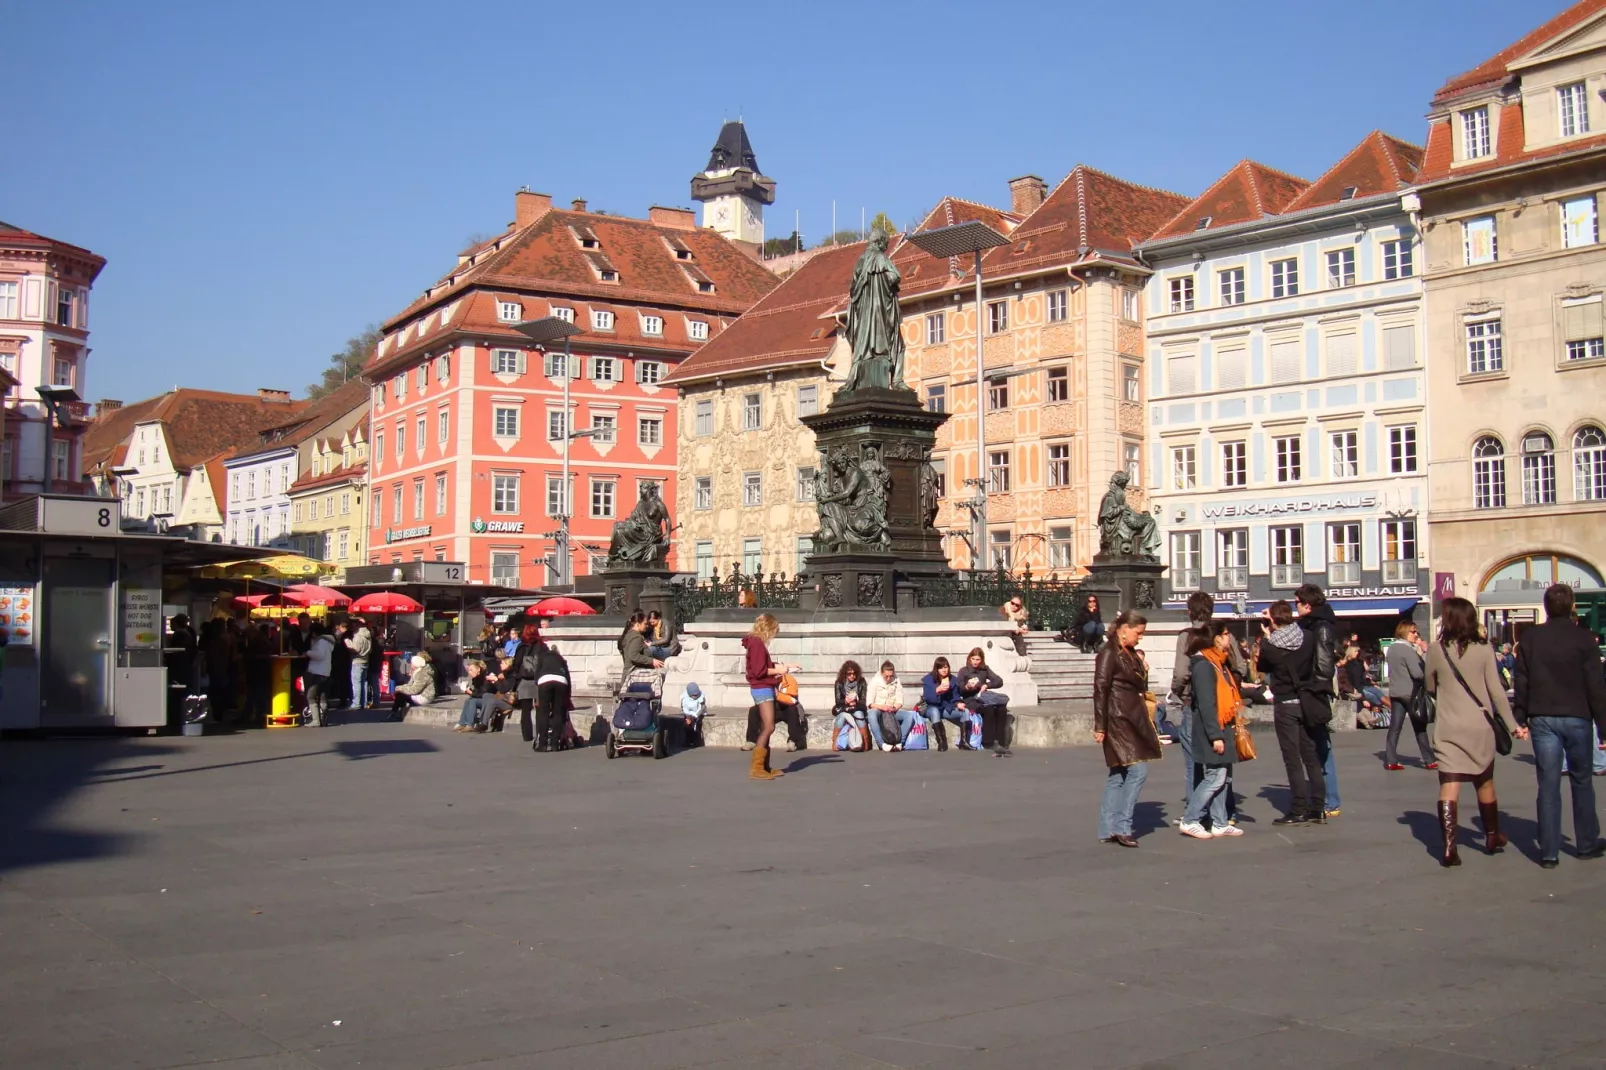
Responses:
[280,715]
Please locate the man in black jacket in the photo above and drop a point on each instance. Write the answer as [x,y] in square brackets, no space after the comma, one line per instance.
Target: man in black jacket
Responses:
[1286,655]
[1559,692]
[1321,624]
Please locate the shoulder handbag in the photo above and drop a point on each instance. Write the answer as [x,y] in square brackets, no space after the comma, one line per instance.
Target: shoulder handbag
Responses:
[1502,734]
[1420,707]
[1243,741]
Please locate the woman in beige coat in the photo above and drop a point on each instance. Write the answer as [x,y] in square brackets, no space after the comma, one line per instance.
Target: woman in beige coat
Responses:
[1468,692]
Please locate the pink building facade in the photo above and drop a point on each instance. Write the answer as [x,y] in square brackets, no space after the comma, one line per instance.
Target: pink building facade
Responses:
[44,341]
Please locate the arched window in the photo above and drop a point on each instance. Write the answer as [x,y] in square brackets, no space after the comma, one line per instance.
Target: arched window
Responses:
[1538,469]
[1488,474]
[1589,464]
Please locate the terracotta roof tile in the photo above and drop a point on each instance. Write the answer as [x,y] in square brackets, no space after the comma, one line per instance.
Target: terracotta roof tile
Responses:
[1089,214]
[106,437]
[17,237]
[198,424]
[344,474]
[1379,164]
[313,418]
[1248,192]
[1496,68]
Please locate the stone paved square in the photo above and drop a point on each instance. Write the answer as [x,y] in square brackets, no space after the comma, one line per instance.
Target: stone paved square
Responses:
[392,896]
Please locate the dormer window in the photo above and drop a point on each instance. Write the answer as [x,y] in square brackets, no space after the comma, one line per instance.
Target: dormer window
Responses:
[652,325]
[679,248]
[601,320]
[1475,133]
[704,286]
[564,314]
[609,275]
[1204,221]
[509,311]
[697,330]
[1348,193]
[586,237]
[1572,109]
[682,254]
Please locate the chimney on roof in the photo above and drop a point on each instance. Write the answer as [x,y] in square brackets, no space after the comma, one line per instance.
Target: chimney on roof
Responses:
[529,207]
[105,405]
[678,218]
[277,396]
[578,204]
[1026,194]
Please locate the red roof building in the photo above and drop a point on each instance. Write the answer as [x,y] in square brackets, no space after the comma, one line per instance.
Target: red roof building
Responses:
[468,429]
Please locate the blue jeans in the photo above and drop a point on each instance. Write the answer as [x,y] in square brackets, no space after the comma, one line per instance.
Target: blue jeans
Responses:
[1211,792]
[361,693]
[1121,790]
[1092,632]
[1600,755]
[1185,738]
[1324,750]
[1554,737]
[480,710]
[906,719]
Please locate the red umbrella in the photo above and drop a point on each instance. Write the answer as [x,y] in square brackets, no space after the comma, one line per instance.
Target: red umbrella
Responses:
[313,595]
[385,602]
[561,607]
[252,600]
[279,598]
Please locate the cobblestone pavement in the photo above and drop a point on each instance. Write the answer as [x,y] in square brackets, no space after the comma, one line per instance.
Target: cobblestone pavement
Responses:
[397,897]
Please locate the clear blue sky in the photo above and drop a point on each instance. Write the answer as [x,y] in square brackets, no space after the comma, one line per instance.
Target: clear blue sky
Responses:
[267,179]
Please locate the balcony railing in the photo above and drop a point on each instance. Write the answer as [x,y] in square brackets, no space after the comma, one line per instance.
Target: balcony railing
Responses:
[1343,572]
[1287,575]
[1399,571]
[1235,578]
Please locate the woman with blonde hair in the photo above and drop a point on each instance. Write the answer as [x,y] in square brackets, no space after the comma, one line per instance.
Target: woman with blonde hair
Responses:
[763,676]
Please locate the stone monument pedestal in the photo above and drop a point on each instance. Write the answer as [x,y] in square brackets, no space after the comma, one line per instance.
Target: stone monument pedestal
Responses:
[625,590]
[1134,581]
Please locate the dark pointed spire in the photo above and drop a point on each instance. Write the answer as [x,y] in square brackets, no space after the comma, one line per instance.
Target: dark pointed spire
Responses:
[733,150]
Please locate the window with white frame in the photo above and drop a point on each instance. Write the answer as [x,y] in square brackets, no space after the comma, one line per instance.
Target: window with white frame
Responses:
[997,395]
[443,367]
[1479,241]
[803,547]
[702,496]
[1232,559]
[1538,469]
[1286,448]
[752,489]
[752,412]
[1234,464]
[650,431]
[443,426]
[8,300]
[1572,109]
[752,556]
[1184,468]
[603,492]
[1182,293]
[420,437]
[939,477]
[345,503]
[697,330]
[1001,546]
[1132,462]
[704,557]
[509,311]
[1131,383]
[63,375]
[396,504]
[998,472]
[505,421]
[1397,259]
[1582,332]
[1182,373]
[1059,464]
[1185,560]
[1589,464]
[1475,133]
[603,370]
[1579,222]
[421,376]
[563,313]
[401,441]
[937,398]
[556,365]
[1344,552]
[505,361]
[505,568]
[1285,277]
[504,493]
[378,509]
[400,383]
[1484,348]
[440,495]
[1398,540]
[1340,267]
[1402,449]
[806,484]
[649,372]
[1345,454]
[557,503]
[936,329]
[1287,555]
[343,544]
[64,306]
[418,499]
[603,426]
[1230,285]
[808,400]
[997,317]
[601,320]
[1061,547]
[1131,305]
[1057,305]
[1488,474]
[652,325]
[703,417]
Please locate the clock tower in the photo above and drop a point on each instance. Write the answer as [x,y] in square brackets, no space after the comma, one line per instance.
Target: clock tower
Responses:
[732,189]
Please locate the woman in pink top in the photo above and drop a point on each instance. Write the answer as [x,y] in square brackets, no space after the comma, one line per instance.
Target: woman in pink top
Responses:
[763,675]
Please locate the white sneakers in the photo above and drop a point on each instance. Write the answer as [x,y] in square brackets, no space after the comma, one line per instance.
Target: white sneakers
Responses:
[1227,830]
[1194,829]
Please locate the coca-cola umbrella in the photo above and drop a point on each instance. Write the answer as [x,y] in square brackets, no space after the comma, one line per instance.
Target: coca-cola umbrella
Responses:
[386,602]
[561,607]
[311,594]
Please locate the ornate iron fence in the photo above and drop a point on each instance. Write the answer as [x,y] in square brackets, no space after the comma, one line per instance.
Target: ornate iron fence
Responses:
[1050,602]
[774,591]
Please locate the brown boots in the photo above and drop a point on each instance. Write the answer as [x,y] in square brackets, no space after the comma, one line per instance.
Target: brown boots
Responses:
[1493,841]
[1447,828]
[760,768]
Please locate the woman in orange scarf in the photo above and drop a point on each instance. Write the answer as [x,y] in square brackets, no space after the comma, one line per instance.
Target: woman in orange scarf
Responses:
[1216,702]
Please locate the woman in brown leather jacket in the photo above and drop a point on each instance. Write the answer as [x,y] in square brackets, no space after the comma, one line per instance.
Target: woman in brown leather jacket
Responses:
[1122,724]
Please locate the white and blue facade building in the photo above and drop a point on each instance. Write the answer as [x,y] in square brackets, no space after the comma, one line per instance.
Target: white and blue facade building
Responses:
[1286,414]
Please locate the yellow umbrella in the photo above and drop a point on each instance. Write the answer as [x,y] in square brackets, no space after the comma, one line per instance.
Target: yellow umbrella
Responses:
[281,565]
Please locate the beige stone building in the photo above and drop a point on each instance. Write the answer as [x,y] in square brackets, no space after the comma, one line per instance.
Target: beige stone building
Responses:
[1511,196]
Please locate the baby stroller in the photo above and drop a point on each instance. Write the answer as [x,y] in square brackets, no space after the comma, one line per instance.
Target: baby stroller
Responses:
[637,725]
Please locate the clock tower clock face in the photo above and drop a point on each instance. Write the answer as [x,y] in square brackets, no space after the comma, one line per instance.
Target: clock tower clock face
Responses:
[750,216]
[722,215]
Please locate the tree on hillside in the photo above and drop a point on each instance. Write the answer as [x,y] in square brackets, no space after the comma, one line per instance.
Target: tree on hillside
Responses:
[883,223]
[842,237]
[783,246]
[348,363]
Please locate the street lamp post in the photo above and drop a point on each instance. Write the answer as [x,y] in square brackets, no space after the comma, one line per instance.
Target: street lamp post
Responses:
[542,331]
[55,399]
[975,238]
